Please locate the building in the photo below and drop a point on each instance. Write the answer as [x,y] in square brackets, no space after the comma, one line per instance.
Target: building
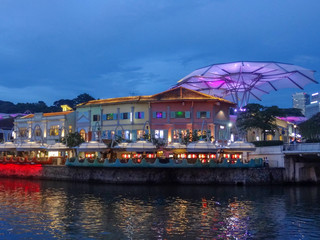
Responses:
[314,106]
[44,127]
[123,117]
[300,100]
[180,111]
[165,116]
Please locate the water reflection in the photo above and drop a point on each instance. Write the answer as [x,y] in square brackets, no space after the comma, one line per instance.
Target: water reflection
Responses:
[60,210]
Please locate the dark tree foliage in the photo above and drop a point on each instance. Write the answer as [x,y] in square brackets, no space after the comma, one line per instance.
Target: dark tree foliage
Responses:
[72,140]
[84,97]
[292,112]
[9,107]
[257,116]
[310,129]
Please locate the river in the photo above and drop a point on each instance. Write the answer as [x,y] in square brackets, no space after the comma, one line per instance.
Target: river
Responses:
[66,210]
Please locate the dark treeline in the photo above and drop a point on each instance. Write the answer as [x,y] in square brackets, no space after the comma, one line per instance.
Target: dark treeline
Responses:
[9,107]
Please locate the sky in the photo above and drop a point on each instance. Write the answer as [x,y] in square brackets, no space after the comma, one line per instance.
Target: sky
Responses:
[51,50]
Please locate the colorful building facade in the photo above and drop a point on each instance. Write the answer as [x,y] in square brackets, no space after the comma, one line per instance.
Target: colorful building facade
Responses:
[44,127]
[168,116]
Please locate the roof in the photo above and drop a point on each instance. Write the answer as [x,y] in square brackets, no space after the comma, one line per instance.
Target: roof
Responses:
[116,100]
[52,114]
[182,93]
[178,93]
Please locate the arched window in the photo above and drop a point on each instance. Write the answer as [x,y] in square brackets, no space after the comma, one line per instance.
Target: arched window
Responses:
[83,134]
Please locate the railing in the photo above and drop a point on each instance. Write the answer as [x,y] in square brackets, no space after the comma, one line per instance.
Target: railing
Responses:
[33,160]
[160,163]
[302,147]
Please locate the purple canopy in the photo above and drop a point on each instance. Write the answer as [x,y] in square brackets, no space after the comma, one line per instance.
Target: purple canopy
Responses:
[238,81]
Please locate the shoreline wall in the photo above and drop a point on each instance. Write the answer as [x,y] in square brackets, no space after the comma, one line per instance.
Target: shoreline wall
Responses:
[149,175]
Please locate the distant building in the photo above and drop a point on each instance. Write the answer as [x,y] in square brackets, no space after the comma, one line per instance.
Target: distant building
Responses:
[300,100]
[314,106]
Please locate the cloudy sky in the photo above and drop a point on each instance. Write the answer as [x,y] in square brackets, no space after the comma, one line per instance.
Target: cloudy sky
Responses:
[51,50]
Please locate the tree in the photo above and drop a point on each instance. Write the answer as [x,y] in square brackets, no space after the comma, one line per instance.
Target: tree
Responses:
[84,97]
[72,140]
[257,116]
[310,129]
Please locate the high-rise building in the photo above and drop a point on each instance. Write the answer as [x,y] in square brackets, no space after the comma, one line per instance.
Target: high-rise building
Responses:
[314,106]
[300,100]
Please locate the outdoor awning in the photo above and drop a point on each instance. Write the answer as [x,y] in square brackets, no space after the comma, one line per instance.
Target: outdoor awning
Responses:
[241,146]
[176,145]
[8,146]
[139,146]
[57,147]
[29,146]
[93,146]
[201,146]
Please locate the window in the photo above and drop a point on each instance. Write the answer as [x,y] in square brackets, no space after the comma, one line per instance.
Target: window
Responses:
[110,116]
[203,114]
[83,134]
[37,132]
[127,134]
[180,114]
[139,115]
[124,115]
[54,130]
[23,132]
[140,134]
[159,115]
[70,129]
[96,118]
[158,134]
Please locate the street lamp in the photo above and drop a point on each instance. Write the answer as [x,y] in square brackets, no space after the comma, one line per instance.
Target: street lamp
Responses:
[295,132]
[229,129]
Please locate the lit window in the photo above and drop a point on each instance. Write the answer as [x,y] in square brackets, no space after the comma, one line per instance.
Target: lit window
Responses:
[140,134]
[158,134]
[83,134]
[70,129]
[110,116]
[179,114]
[159,114]
[54,130]
[23,132]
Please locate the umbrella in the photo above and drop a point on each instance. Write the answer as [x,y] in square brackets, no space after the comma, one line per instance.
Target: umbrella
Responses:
[238,81]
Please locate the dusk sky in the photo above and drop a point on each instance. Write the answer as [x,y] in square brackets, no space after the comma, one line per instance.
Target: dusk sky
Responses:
[51,50]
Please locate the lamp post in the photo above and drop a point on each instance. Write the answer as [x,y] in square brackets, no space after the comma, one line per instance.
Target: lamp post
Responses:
[295,132]
[229,129]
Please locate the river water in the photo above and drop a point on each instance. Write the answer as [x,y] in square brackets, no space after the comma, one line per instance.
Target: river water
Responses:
[65,210]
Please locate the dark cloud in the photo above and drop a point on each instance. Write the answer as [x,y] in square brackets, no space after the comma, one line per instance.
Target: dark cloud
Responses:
[59,49]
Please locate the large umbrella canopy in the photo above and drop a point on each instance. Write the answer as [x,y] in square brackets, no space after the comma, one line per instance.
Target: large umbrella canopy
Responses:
[239,81]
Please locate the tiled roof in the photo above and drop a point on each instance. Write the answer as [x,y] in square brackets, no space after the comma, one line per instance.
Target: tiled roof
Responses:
[179,93]
[52,114]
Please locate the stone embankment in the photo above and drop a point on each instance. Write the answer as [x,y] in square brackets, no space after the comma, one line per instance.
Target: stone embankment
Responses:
[150,175]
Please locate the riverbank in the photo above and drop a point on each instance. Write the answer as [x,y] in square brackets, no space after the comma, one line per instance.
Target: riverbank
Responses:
[147,175]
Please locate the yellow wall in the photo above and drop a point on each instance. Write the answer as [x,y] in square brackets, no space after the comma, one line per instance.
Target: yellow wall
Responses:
[126,123]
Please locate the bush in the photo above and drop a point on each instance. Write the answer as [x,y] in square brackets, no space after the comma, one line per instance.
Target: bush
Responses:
[267,143]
